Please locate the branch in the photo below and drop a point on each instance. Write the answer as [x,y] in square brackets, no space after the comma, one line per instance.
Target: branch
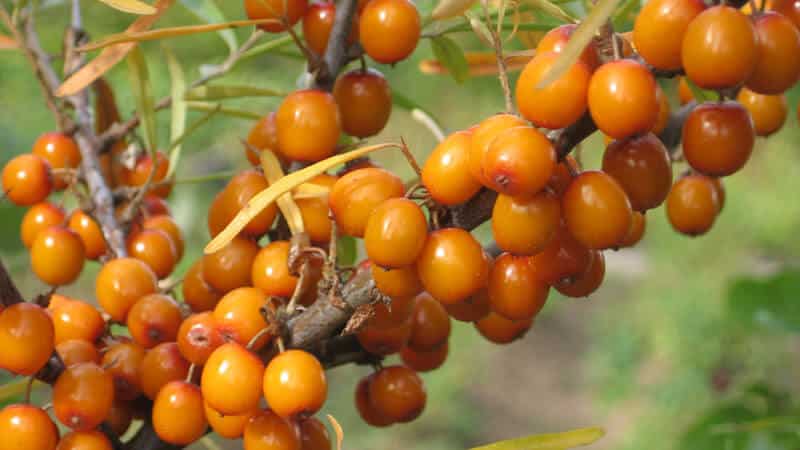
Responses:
[9,294]
[336,54]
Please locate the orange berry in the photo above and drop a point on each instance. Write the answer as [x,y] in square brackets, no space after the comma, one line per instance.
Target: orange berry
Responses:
[692,205]
[452,265]
[395,233]
[198,337]
[389,30]
[315,212]
[234,197]
[141,173]
[178,415]
[60,151]
[154,319]
[120,283]
[560,103]
[123,362]
[317,26]
[564,257]
[720,189]
[365,102]
[197,293]
[227,425]
[398,393]
[430,324]
[291,11]
[77,320]
[525,225]
[295,384]
[642,167]
[39,217]
[238,317]
[84,440]
[307,113]
[232,379]
[482,137]
[425,361]
[270,271]
[28,427]
[268,431]
[519,161]
[76,351]
[556,39]
[26,337]
[515,290]
[777,68]
[364,405]
[156,249]
[767,111]
[397,283]
[313,435]
[586,284]
[659,29]
[499,330]
[622,98]
[263,135]
[473,308]
[384,341]
[597,210]
[562,176]
[229,268]
[636,232]
[450,161]
[356,194]
[82,396]
[685,94]
[120,417]
[90,233]
[57,255]
[719,48]
[27,179]
[663,111]
[789,8]
[718,138]
[166,224]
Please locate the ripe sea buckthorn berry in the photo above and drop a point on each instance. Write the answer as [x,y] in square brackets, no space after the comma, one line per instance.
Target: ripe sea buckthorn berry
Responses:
[641,166]
[269,431]
[156,249]
[389,315]
[397,283]
[587,283]
[57,255]
[292,11]
[692,205]
[389,30]
[525,225]
[767,111]
[385,341]
[238,316]
[120,417]
[120,283]
[720,189]
[305,113]
[560,103]
[198,337]
[452,265]
[778,67]
[685,94]
[26,337]
[141,172]
[263,135]
[718,138]
[295,384]
[317,26]
[519,161]
[719,48]
[635,234]
[84,440]
[499,330]
[789,8]
[166,224]
[356,194]
[596,210]
[270,271]
[474,308]
[398,393]
[659,29]
[482,136]
[154,319]
[315,211]
[564,257]
[227,425]
[75,319]
[162,364]
[232,379]
[39,217]
[27,179]
[562,176]
[313,435]
[28,427]
[197,293]
[365,101]
[663,111]
[365,407]
[76,351]
[515,290]
[82,396]
[556,39]
[430,324]
[229,268]
[240,190]
[57,300]
[450,161]
[622,98]
[61,152]
[395,233]
[123,361]
[425,361]
[178,416]
[154,205]
[90,233]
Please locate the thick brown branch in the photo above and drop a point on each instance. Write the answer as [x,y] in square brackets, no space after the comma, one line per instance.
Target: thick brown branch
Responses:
[336,55]
[9,294]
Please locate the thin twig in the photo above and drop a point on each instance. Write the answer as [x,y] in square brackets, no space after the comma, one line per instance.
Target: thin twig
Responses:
[502,70]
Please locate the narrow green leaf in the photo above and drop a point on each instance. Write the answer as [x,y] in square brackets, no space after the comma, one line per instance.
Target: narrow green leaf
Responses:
[130,6]
[700,95]
[140,81]
[178,125]
[267,47]
[551,9]
[208,11]
[451,56]
[419,114]
[346,251]
[176,142]
[220,92]
[209,106]
[579,40]
[553,441]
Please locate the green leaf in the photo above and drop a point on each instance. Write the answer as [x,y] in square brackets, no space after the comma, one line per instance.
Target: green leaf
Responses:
[551,9]
[451,56]
[140,81]
[346,251]
[552,441]
[179,109]
[700,95]
[233,112]
[419,114]
[208,11]
[218,92]
[771,302]
[176,143]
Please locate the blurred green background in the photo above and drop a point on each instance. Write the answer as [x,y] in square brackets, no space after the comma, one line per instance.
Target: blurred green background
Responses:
[686,337]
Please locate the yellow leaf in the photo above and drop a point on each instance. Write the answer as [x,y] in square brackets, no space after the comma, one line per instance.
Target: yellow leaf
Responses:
[261,200]
[338,430]
[310,190]
[552,441]
[131,6]
[110,56]
[552,10]
[273,172]
[446,9]
[579,40]
[140,36]
[479,63]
